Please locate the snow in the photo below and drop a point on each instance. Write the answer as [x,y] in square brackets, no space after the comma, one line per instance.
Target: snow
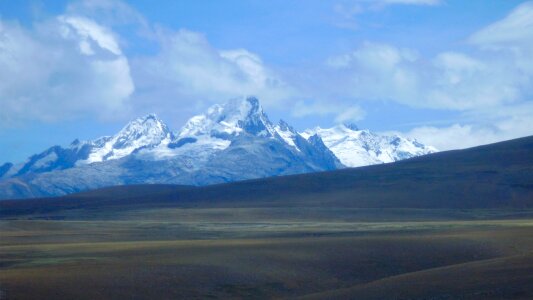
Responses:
[286,133]
[201,149]
[229,142]
[356,148]
[241,121]
[150,138]
[46,161]
[231,119]
[147,131]
[212,131]
[287,136]
[227,118]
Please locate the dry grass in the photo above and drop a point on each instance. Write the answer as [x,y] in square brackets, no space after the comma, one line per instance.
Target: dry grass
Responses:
[139,259]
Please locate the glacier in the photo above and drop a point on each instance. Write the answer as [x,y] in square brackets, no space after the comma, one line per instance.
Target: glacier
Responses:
[229,142]
[357,148]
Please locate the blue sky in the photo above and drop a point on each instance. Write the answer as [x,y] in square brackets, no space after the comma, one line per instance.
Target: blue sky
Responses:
[452,74]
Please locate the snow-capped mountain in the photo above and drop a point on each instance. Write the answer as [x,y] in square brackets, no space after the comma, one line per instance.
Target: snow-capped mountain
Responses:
[145,132]
[229,142]
[356,148]
[230,119]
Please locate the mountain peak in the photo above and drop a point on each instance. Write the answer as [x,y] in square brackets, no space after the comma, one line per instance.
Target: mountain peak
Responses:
[284,126]
[149,127]
[240,115]
[146,119]
[254,102]
[240,109]
[351,126]
[146,131]
[355,147]
[232,141]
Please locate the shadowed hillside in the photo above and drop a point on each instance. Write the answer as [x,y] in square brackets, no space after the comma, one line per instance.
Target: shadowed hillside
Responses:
[452,225]
[492,176]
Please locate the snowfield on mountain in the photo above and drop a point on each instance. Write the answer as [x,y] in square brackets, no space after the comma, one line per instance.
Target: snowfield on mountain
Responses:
[234,141]
[357,148]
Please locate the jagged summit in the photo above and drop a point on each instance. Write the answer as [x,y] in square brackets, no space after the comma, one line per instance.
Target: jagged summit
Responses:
[284,126]
[231,119]
[356,147]
[149,126]
[148,131]
[351,126]
[75,143]
[232,141]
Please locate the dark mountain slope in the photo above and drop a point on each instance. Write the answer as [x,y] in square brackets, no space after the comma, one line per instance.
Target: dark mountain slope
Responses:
[492,176]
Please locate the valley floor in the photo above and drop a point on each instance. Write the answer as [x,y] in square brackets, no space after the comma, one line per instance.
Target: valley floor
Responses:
[321,253]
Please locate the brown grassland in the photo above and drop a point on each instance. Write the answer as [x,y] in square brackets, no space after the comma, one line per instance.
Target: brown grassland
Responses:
[147,255]
[454,225]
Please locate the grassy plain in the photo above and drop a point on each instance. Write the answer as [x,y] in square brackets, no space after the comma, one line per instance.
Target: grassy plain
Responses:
[200,253]
[452,225]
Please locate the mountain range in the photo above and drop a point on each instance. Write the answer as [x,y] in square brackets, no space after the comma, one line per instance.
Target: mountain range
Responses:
[230,142]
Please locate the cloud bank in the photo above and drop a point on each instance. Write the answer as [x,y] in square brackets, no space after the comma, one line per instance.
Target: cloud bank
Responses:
[73,66]
[491,85]
[190,69]
[80,65]
[63,68]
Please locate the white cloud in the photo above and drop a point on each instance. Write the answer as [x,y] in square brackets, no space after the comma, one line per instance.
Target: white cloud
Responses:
[188,68]
[73,66]
[306,108]
[481,127]
[87,31]
[453,137]
[249,63]
[460,136]
[108,12]
[61,69]
[379,57]
[515,30]
[497,71]
[458,62]
[377,72]
[490,84]
[450,80]
[502,73]
[342,112]
[351,114]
